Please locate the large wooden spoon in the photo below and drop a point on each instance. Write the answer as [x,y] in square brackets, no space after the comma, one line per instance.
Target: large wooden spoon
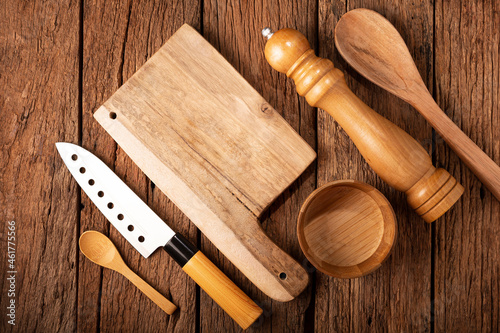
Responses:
[101,250]
[371,44]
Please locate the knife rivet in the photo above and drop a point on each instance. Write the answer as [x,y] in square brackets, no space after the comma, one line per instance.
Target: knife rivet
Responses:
[141,239]
[74,157]
[100,194]
[110,205]
[91,182]
[130,228]
[82,170]
[120,217]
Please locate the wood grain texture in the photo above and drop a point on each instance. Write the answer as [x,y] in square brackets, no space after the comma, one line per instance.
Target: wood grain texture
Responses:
[195,113]
[118,38]
[242,45]
[391,152]
[371,44]
[98,51]
[222,290]
[467,265]
[216,148]
[439,278]
[396,297]
[38,107]
[346,228]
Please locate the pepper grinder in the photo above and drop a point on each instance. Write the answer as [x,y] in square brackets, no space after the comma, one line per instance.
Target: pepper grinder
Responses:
[391,152]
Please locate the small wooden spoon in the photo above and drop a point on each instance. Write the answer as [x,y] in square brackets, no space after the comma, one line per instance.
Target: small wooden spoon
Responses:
[371,44]
[100,250]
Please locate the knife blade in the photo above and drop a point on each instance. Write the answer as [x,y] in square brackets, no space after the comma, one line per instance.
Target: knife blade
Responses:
[147,232]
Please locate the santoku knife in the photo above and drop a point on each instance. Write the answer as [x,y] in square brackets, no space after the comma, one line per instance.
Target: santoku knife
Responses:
[146,231]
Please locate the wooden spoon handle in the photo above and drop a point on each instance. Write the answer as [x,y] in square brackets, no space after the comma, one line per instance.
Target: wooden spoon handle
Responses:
[474,157]
[149,291]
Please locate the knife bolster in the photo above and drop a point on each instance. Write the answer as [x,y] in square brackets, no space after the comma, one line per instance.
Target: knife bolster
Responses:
[180,249]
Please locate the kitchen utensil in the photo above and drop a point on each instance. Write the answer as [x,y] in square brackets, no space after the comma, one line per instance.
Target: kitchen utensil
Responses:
[146,231]
[394,155]
[216,148]
[346,228]
[101,250]
[371,44]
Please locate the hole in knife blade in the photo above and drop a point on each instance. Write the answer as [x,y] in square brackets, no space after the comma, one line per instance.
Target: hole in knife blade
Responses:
[130,227]
[82,170]
[112,115]
[110,205]
[100,194]
[74,157]
[120,217]
[91,182]
[141,239]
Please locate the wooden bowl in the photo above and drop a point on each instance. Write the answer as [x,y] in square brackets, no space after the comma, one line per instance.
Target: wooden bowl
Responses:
[346,228]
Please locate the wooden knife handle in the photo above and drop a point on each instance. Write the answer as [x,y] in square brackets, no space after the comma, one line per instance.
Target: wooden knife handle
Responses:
[391,152]
[215,283]
[222,290]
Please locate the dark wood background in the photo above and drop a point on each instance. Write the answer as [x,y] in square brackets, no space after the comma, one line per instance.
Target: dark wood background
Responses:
[60,60]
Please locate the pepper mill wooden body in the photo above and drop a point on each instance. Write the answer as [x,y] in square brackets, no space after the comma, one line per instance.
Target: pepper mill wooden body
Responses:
[392,153]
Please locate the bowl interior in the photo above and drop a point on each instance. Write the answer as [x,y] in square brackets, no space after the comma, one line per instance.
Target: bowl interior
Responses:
[346,228]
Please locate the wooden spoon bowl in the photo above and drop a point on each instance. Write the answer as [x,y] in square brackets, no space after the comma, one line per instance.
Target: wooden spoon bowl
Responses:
[346,228]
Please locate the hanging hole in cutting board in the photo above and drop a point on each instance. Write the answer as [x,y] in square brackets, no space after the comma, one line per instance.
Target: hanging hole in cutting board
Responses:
[112,115]
[283,275]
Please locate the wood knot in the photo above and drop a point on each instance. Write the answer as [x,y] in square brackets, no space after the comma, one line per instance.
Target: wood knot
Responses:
[266,108]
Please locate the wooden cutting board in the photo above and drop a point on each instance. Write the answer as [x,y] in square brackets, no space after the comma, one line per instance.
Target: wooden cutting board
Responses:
[216,148]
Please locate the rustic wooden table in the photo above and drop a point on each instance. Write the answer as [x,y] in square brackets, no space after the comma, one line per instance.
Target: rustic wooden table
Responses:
[59,60]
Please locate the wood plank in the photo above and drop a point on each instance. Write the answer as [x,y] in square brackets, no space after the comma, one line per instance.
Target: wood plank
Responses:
[242,45]
[397,296]
[118,38]
[39,107]
[101,76]
[467,242]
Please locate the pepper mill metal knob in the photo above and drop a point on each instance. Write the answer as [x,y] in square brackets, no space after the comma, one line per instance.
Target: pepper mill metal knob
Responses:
[391,152]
